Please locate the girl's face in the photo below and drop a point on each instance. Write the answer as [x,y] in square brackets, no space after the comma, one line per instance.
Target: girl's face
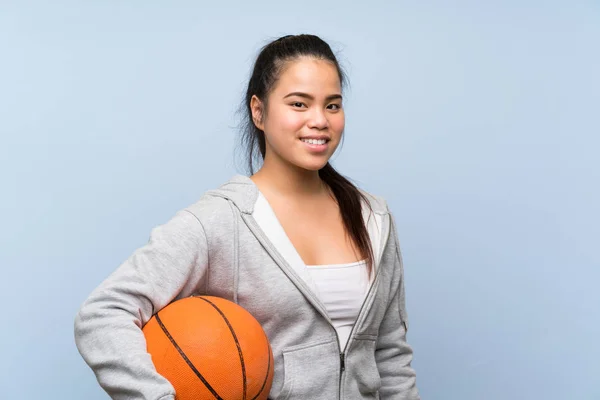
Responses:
[305,120]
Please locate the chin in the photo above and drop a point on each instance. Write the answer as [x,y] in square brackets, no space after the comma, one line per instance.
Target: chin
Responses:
[313,166]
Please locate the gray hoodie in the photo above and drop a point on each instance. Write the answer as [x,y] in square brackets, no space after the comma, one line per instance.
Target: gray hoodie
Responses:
[219,247]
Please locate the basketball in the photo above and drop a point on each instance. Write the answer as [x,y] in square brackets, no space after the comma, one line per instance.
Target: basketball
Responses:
[210,348]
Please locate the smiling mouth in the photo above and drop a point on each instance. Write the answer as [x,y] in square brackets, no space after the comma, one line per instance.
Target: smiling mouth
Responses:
[315,141]
[316,146]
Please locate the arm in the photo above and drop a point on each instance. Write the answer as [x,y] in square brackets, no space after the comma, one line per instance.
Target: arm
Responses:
[108,326]
[393,354]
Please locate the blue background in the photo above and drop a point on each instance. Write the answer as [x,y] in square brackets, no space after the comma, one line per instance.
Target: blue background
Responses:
[479,122]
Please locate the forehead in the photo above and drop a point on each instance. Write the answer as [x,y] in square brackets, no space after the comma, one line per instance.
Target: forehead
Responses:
[310,75]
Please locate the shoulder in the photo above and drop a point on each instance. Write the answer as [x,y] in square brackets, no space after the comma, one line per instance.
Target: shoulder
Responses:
[205,217]
[209,208]
[377,203]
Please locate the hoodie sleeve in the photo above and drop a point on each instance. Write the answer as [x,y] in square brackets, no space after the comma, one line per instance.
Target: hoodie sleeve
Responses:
[393,354]
[108,325]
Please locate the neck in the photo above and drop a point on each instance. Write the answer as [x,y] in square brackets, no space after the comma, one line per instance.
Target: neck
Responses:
[292,181]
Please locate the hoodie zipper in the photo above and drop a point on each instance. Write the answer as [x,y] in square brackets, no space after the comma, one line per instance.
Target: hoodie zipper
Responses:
[360,313]
[383,241]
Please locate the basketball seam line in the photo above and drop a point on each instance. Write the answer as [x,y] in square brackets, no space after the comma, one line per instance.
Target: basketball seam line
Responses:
[268,370]
[237,343]
[187,360]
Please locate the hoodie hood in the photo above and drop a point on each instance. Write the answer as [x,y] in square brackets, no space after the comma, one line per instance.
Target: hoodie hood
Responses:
[240,190]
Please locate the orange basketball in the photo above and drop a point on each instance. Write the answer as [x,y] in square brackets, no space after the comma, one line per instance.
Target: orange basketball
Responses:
[210,348]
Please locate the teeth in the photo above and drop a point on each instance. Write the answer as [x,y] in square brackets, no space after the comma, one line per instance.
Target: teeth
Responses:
[314,141]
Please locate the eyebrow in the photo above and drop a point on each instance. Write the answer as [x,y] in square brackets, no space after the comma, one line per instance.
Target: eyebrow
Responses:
[308,96]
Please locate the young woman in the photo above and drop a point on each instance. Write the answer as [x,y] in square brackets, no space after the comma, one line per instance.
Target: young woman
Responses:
[313,258]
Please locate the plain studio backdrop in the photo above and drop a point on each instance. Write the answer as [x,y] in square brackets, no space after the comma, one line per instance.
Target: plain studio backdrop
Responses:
[477,121]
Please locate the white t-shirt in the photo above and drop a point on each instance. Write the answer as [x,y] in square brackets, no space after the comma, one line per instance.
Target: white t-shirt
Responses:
[342,289]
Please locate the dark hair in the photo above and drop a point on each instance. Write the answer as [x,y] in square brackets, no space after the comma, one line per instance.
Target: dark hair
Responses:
[267,69]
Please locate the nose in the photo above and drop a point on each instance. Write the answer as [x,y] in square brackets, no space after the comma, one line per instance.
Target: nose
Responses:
[318,120]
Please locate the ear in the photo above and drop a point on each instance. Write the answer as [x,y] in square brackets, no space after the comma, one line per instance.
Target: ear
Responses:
[256,106]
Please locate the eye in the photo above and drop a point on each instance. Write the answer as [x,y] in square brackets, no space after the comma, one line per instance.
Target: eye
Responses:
[336,106]
[297,104]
